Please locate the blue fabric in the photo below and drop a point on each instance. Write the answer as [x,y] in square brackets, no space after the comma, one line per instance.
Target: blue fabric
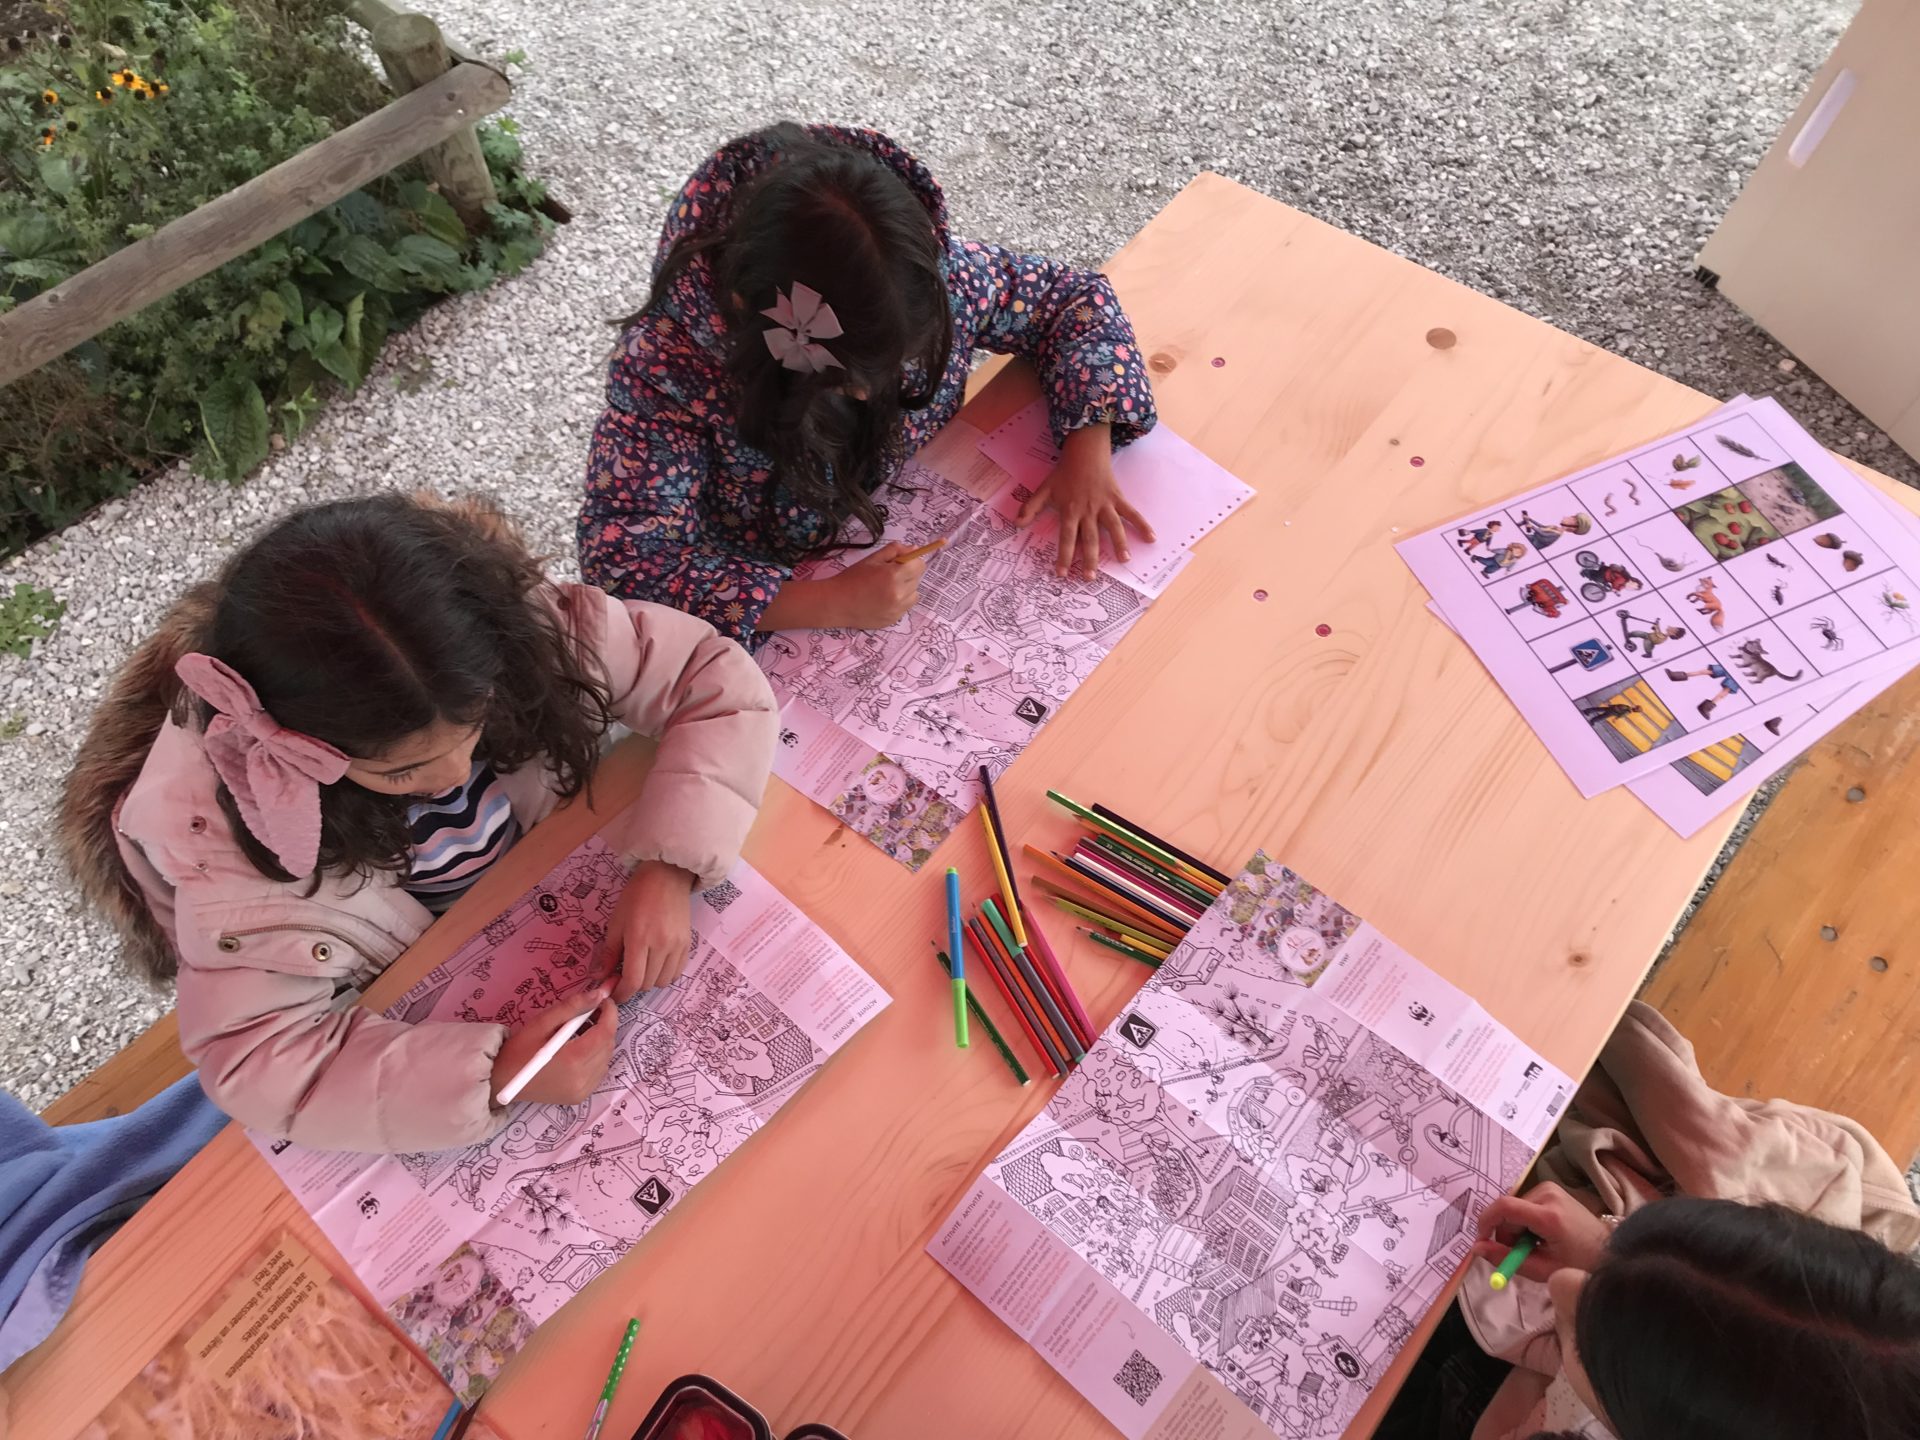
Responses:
[64,1189]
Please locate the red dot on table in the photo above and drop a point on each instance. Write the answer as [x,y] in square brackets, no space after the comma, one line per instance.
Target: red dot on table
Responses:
[1218,361]
[1417,460]
[1323,631]
[1259,594]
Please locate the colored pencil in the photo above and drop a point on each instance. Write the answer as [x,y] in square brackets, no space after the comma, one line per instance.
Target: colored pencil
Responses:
[917,552]
[986,1023]
[613,1380]
[1128,858]
[1056,973]
[1109,894]
[1123,885]
[959,973]
[1186,872]
[1074,906]
[1000,870]
[998,831]
[1145,957]
[1115,818]
[1054,1059]
[1069,1038]
[1150,880]
[1154,948]
[1100,822]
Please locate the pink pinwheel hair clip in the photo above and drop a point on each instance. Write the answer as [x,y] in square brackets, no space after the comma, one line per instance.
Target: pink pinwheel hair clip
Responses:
[274,774]
[801,319]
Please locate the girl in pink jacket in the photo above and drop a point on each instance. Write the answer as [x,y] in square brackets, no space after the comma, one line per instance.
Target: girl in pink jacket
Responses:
[323,748]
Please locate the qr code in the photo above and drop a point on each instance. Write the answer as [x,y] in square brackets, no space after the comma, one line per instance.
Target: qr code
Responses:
[1553,1105]
[1139,1377]
[721,895]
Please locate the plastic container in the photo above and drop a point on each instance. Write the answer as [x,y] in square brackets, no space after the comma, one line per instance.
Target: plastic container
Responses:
[695,1407]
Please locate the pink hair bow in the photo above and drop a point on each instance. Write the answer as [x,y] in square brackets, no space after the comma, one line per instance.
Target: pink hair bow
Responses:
[800,319]
[273,774]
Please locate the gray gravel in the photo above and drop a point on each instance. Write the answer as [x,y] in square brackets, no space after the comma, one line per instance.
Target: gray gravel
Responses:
[1566,157]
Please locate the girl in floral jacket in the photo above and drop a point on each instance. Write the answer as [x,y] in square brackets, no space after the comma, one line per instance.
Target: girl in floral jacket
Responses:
[812,323]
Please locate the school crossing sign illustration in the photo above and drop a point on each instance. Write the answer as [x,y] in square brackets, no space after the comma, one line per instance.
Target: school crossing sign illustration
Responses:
[653,1195]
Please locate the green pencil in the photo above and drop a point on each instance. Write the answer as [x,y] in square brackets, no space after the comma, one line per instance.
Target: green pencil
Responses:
[1132,954]
[613,1379]
[986,1023]
[1100,822]
[1136,863]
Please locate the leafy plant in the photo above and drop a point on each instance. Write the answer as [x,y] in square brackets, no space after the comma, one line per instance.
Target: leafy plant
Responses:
[146,110]
[27,615]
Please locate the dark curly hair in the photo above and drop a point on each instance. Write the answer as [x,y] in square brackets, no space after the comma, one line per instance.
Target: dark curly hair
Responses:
[1711,1320]
[364,621]
[836,219]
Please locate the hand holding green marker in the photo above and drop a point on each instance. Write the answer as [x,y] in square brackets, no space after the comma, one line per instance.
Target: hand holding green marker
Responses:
[1516,1257]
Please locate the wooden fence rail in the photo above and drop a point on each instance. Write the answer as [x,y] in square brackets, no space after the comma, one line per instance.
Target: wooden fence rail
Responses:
[196,244]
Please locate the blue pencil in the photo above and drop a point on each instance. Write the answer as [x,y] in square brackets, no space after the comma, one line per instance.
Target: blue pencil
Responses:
[959,959]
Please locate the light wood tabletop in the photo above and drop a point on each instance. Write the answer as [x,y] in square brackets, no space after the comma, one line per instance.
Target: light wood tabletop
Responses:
[1365,399]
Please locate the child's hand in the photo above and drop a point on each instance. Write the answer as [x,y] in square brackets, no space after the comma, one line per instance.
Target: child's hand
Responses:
[875,592]
[652,927]
[1571,1236]
[1082,491]
[581,1063]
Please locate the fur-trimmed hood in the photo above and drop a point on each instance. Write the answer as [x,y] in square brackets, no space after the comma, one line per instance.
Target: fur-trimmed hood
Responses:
[110,759]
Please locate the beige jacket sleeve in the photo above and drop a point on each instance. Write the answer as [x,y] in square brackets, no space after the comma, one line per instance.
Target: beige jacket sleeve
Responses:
[676,679]
[259,1020]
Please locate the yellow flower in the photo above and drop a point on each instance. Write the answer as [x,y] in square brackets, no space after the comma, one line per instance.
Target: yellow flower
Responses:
[46,137]
[105,97]
[49,97]
[161,88]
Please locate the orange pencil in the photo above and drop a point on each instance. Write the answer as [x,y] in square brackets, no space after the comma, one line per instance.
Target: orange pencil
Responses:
[1107,897]
[917,552]
[1186,872]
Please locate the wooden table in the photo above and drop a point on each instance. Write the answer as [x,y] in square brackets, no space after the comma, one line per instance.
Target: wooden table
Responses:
[1365,398]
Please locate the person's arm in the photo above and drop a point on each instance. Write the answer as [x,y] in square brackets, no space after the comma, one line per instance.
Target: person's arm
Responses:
[1069,324]
[640,535]
[672,677]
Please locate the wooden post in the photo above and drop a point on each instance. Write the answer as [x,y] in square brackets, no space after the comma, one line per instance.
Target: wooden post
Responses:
[201,241]
[411,48]
[369,14]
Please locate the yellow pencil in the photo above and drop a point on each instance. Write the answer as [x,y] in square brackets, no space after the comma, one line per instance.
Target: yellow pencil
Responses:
[917,552]
[1108,922]
[1000,874]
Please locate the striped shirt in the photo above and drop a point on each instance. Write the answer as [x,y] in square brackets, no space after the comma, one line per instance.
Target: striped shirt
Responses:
[456,836]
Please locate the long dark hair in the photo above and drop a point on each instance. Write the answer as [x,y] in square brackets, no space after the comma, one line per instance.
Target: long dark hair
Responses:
[1711,1320]
[362,622]
[837,219]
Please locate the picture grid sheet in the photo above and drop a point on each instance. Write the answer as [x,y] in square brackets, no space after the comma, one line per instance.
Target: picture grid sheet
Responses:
[1260,1179]
[1678,596]
[472,1248]
[888,729]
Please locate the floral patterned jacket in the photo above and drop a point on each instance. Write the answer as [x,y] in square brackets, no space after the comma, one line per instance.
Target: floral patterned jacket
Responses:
[679,510]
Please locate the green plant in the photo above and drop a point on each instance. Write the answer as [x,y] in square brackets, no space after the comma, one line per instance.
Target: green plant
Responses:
[27,615]
[146,110]
[13,726]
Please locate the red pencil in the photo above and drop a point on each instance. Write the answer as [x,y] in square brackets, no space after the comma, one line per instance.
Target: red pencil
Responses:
[1022,1008]
[1056,976]
[1094,865]
[1067,1045]
[1166,894]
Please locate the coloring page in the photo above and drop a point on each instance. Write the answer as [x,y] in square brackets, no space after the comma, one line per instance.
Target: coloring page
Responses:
[1649,603]
[1268,1168]
[471,1248]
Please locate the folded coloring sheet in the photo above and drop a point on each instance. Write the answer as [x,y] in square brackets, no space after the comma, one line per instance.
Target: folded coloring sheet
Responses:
[888,728]
[1238,1207]
[1648,606]
[471,1249]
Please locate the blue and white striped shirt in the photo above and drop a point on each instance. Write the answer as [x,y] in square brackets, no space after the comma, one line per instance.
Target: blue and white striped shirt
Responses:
[456,836]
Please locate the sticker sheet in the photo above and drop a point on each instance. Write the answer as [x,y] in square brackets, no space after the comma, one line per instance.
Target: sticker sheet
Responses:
[1261,1177]
[472,1248]
[1665,600]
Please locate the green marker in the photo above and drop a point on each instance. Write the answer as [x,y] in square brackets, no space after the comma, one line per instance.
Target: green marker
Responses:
[1516,1257]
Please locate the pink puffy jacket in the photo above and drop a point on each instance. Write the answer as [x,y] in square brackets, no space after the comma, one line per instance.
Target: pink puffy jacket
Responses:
[260,961]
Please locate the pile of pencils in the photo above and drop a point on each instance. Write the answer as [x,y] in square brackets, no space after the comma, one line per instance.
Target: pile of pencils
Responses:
[1139,899]
[1137,894]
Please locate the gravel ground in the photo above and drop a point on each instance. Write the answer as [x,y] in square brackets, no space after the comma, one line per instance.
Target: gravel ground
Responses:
[1566,157]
